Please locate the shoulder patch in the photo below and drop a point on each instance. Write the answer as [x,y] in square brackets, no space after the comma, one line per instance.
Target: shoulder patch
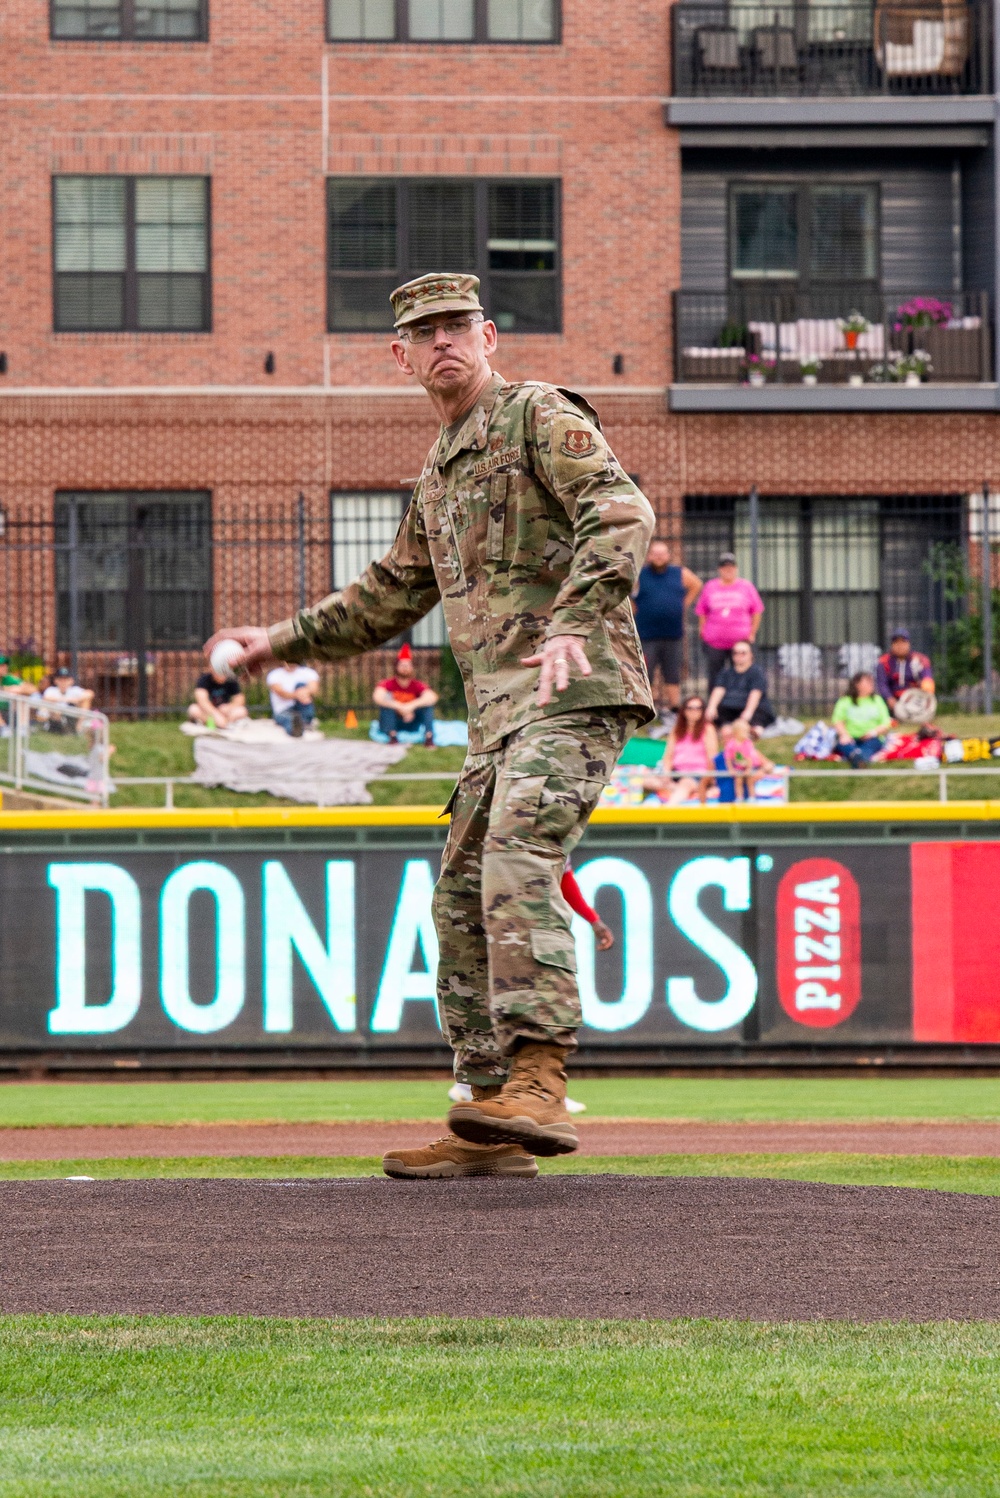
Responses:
[578,443]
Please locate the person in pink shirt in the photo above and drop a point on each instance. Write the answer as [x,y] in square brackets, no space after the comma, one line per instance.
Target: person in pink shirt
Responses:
[745,760]
[689,759]
[729,609]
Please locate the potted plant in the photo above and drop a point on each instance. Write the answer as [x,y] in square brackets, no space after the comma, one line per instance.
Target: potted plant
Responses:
[922,312]
[852,326]
[913,368]
[757,369]
[810,368]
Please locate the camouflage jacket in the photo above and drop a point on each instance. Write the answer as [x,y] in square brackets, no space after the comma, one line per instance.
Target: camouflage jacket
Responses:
[524,525]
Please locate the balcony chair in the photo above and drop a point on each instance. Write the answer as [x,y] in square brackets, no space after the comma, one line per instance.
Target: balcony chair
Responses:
[928,40]
[718,60]
[775,54]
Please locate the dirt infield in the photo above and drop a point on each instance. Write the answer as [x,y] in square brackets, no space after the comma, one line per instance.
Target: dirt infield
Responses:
[597,1137]
[600,1246]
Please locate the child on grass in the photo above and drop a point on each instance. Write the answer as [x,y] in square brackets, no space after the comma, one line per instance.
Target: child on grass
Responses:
[745,760]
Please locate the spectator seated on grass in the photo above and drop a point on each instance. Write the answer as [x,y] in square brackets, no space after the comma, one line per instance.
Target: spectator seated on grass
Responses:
[740,692]
[406,705]
[63,691]
[901,676]
[689,758]
[218,701]
[861,720]
[292,690]
[744,760]
[11,682]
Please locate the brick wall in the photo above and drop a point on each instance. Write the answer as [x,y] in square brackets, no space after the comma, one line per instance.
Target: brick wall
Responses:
[268,109]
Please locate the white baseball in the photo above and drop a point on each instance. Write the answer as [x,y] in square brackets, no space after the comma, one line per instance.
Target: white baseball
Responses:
[226,656]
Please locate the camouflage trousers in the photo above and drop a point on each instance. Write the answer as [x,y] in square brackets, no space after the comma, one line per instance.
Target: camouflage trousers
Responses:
[507,966]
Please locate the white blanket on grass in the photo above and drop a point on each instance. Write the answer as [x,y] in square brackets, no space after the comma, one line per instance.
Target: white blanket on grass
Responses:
[316,771]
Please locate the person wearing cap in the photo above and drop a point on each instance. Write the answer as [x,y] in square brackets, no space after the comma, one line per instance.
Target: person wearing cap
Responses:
[529,531]
[902,671]
[62,687]
[405,704]
[729,608]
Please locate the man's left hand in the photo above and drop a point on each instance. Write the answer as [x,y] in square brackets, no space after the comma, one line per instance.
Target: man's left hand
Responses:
[555,658]
[603,936]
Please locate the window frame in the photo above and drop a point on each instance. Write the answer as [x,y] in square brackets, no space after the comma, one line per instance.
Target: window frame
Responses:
[131,500]
[130,323]
[128,32]
[802,185]
[481,193]
[405,497]
[480,31]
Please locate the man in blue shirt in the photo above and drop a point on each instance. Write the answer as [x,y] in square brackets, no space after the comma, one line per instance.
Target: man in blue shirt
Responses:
[660,598]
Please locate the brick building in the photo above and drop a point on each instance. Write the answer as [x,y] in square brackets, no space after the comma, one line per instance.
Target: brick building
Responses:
[207,202]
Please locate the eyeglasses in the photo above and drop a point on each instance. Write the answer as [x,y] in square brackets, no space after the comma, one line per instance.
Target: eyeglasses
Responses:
[455,327]
[694,707]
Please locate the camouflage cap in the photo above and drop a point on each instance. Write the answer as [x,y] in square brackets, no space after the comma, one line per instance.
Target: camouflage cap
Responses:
[441,291]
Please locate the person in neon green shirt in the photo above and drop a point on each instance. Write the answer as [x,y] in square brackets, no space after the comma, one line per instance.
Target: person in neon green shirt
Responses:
[11,682]
[862,720]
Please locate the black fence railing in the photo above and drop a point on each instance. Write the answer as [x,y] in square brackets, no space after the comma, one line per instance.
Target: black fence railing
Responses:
[837,574]
[799,49]
[124,589]
[854,335]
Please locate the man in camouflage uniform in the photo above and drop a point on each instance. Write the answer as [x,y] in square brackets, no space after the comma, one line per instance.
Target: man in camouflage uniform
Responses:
[527,529]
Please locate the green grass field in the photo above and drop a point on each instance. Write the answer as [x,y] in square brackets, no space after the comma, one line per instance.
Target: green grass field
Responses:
[158,748]
[973,1176]
[237,1408]
[34,1104]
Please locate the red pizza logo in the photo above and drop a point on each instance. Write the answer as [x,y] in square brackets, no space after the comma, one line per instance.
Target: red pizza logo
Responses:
[819,942]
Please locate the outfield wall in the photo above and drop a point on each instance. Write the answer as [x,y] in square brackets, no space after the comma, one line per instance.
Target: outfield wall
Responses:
[306,937]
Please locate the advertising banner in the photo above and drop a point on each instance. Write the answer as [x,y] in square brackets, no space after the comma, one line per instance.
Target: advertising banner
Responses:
[853,944]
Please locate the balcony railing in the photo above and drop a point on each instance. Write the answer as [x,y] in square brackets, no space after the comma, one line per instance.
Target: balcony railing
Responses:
[802,50]
[850,337]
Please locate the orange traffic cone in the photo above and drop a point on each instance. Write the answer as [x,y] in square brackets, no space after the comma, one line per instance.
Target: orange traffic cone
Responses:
[351,721]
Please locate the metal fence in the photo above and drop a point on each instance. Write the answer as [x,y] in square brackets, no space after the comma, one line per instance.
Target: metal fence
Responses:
[837,576]
[747,49]
[124,588]
[126,595]
[849,334]
[54,747]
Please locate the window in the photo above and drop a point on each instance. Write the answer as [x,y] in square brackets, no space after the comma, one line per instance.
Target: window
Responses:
[765,234]
[443,20]
[131,253]
[142,570]
[383,232]
[843,225]
[813,234]
[130,20]
[363,526]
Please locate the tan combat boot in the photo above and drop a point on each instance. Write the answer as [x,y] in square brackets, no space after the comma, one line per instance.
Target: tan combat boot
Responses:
[530,1109]
[449,1157]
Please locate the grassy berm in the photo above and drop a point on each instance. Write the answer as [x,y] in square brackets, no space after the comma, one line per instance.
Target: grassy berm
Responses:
[161,749]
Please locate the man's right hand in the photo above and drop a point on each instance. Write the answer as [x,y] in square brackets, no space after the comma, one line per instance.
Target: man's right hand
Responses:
[257,654]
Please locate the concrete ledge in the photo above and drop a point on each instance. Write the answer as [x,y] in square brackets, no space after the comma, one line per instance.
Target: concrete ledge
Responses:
[833,398]
[875,109]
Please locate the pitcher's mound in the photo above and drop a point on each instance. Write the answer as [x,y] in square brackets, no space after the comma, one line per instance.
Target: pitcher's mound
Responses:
[591,1246]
